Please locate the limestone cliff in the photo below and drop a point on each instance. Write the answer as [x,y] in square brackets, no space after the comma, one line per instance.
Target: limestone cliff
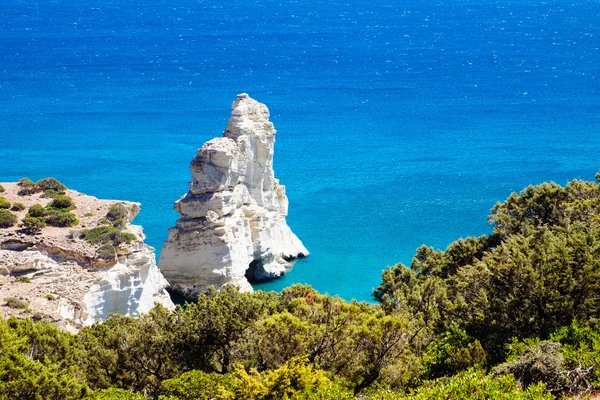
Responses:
[232,226]
[70,278]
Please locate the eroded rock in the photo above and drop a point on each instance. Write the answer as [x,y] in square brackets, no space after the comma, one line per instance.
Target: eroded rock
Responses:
[61,276]
[232,225]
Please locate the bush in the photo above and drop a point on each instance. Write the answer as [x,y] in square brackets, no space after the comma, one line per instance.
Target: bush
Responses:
[23,279]
[116,394]
[50,194]
[61,202]
[36,210]
[107,234]
[60,218]
[15,302]
[50,184]
[107,252]
[50,297]
[118,214]
[7,219]
[454,351]
[27,186]
[33,224]
[89,214]
[4,204]
[475,385]
[2,189]
[18,207]
[544,362]
[43,185]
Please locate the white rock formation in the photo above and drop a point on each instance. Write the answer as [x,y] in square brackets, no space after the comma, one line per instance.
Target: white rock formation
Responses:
[232,226]
[69,282]
[131,287]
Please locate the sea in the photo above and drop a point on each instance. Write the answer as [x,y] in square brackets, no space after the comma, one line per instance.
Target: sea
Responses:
[399,122]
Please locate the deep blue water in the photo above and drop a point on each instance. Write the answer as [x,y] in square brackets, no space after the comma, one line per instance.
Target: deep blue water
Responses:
[399,122]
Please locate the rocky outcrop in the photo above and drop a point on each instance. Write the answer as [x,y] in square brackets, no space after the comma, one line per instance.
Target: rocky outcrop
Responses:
[62,276]
[232,227]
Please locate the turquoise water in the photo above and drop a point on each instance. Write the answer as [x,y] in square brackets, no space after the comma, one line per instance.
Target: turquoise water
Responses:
[399,123]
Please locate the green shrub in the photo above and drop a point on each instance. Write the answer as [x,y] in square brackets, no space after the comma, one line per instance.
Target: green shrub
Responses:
[15,302]
[50,184]
[2,189]
[18,207]
[544,362]
[118,214]
[454,351]
[50,194]
[33,224]
[106,252]
[107,234]
[27,187]
[23,279]
[4,204]
[50,297]
[60,218]
[7,219]
[475,385]
[36,210]
[89,214]
[115,394]
[61,202]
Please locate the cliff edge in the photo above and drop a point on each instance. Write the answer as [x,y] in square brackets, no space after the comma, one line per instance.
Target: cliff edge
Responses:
[72,258]
[232,227]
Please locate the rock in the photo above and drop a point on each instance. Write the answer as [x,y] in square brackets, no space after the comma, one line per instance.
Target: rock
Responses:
[131,287]
[84,288]
[232,226]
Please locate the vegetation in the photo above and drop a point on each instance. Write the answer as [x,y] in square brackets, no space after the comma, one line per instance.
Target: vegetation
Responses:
[23,279]
[118,215]
[106,252]
[36,211]
[33,224]
[7,219]
[106,234]
[512,315]
[62,202]
[47,185]
[2,190]
[4,204]
[27,187]
[15,302]
[60,218]
[109,234]
[55,214]
[17,207]
[50,194]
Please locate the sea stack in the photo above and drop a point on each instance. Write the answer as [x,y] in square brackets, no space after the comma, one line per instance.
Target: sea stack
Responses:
[232,227]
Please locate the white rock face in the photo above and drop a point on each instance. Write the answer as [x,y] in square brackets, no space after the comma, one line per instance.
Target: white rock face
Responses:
[131,287]
[70,283]
[232,226]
